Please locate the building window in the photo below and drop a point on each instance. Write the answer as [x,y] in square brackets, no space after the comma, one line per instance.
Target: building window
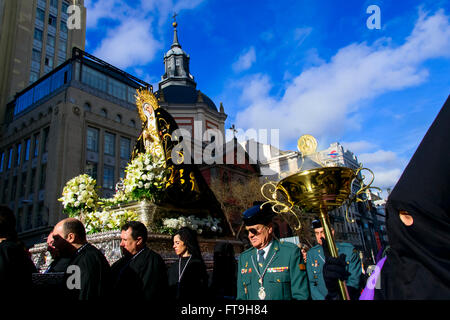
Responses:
[28,224]
[10,157]
[52,20]
[93,78]
[91,169]
[43,177]
[64,7]
[132,123]
[18,151]
[49,61]
[40,214]
[63,26]
[117,89]
[5,191]
[32,179]
[108,177]
[40,14]
[36,56]
[125,148]
[36,146]
[92,139]
[109,143]
[23,185]
[131,93]
[104,113]
[13,188]
[118,118]
[37,34]
[62,45]
[54,3]
[27,149]
[2,160]
[33,76]
[45,139]
[51,41]
[87,107]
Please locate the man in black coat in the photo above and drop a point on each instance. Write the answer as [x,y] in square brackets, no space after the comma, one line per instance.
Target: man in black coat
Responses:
[69,238]
[141,273]
[16,266]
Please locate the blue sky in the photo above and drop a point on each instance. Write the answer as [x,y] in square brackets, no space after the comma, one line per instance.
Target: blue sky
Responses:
[304,67]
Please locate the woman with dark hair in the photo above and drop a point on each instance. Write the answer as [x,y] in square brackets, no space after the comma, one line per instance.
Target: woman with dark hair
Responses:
[16,266]
[188,279]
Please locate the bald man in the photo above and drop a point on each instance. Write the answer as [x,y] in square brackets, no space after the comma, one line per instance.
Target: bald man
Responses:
[69,238]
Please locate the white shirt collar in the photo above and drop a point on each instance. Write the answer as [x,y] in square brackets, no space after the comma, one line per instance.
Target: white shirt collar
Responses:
[266,249]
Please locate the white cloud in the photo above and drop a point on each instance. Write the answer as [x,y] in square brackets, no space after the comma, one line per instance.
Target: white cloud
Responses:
[377,157]
[322,100]
[110,9]
[132,41]
[245,60]
[386,165]
[130,44]
[386,178]
[358,146]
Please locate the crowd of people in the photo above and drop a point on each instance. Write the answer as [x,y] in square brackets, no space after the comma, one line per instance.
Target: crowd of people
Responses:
[279,271]
[416,266]
[141,272]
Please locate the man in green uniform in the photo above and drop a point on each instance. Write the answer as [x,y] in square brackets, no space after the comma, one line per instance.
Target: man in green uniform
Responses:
[316,259]
[270,270]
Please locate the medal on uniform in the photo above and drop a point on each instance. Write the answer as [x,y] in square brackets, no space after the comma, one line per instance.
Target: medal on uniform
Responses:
[261,293]
[261,290]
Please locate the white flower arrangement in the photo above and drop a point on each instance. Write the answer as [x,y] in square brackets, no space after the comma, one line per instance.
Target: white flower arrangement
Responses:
[209,224]
[106,220]
[79,194]
[146,178]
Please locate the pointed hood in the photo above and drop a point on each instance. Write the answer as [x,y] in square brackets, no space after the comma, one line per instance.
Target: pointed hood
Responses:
[418,264]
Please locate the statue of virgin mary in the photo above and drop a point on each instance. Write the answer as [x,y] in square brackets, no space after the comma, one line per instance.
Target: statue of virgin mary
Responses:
[186,186]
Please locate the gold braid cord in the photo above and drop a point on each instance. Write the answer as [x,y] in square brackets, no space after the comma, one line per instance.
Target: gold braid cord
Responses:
[269,192]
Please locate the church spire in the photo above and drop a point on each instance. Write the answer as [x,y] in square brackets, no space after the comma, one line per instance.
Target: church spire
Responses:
[176,64]
[175,34]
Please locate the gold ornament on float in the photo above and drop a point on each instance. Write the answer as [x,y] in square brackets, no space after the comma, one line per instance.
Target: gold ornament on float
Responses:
[317,190]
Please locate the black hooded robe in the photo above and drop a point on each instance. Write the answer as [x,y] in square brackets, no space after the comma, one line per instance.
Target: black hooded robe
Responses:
[418,262]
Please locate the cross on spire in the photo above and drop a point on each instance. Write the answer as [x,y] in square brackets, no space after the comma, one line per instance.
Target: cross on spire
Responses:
[233,129]
[174,17]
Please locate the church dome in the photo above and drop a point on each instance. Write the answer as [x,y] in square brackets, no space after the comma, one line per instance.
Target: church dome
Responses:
[177,94]
[175,50]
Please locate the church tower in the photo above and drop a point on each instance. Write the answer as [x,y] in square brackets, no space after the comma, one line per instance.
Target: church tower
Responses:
[176,63]
[193,110]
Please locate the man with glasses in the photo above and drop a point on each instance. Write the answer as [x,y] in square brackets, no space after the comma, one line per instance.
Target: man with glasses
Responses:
[270,270]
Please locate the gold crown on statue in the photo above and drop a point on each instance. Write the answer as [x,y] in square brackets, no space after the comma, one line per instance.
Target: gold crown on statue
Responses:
[144,96]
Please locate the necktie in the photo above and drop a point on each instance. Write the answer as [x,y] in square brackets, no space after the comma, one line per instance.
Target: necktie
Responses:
[260,258]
